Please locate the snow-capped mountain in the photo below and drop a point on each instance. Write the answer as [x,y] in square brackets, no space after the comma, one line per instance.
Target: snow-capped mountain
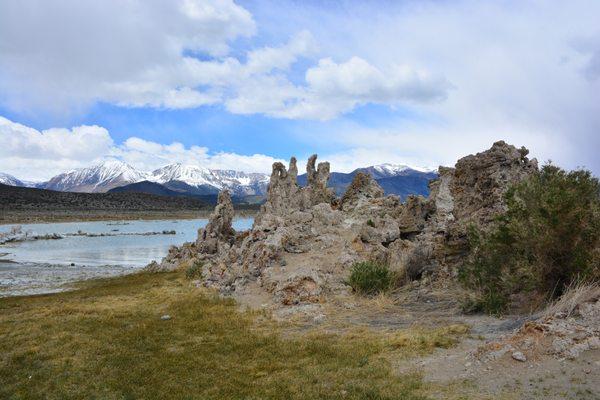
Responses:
[200,180]
[191,174]
[98,178]
[195,180]
[7,179]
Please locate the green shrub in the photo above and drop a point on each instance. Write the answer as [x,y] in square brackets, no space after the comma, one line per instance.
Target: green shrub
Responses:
[194,271]
[370,278]
[371,223]
[548,238]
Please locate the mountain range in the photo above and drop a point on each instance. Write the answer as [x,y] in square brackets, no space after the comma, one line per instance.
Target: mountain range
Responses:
[191,180]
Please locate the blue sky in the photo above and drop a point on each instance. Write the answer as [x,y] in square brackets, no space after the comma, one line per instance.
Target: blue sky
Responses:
[241,84]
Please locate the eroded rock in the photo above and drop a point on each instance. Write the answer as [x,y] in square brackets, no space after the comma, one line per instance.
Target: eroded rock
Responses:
[219,231]
[362,188]
[304,240]
[481,180]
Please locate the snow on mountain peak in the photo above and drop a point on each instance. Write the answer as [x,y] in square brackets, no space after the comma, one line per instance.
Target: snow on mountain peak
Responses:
[110,169]
[191,174]
[97,178]
[394,169]
[112,173]
[236,181]
[7,179]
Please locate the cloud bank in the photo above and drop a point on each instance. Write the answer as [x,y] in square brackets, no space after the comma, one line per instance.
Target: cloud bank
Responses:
[177,55]
[413,81]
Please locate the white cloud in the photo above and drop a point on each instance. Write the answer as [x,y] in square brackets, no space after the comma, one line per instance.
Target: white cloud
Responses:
[214,23]
[359,81]
[147,155]
[56,55]
[31,153]
[266,59]
[336,88]
[38,155]
[64,56]
[528,71]
[524,71]
[429,146]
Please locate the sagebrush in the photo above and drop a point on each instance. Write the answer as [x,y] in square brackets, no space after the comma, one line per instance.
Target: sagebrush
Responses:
[548,238]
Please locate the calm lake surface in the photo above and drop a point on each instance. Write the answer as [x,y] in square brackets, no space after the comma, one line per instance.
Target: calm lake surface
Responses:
[42,266]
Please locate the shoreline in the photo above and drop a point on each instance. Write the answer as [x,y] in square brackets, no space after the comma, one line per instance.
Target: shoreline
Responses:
[29,217]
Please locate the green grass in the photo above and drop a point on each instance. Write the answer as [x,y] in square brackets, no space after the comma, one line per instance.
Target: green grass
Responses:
[194,271]
[370,278]
[107,341]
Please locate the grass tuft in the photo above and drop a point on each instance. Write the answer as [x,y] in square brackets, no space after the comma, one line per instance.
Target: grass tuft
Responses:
[421,340]
[370,278]
[194,271]
[575,295]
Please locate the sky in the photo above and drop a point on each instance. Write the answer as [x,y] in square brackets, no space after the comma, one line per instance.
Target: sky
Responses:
[239,85]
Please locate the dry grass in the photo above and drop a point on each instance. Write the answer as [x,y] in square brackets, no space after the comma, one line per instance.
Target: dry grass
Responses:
[575,295]
[107,341]
[377,303]
[420,340]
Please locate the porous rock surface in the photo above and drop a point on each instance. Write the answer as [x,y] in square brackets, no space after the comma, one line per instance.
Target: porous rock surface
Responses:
[564,335]
[304,240]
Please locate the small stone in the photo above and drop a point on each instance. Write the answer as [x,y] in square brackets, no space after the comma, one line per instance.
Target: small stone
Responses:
[468,364]
[517,355]
[165,317]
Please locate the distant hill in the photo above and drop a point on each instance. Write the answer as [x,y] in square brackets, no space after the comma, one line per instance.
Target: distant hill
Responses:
[162,190]
[14,198]
[404,186]
[147,187]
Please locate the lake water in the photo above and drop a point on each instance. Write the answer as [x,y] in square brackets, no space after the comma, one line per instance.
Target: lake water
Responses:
[48,265]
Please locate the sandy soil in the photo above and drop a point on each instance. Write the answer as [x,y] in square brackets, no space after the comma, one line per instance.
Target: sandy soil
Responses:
[540,376]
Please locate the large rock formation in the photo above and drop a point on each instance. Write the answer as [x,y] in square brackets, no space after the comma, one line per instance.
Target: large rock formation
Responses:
[304,240]
[470,193]
[481,180]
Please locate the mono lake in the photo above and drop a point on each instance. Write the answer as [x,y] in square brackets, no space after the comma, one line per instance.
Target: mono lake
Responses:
[88,250]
